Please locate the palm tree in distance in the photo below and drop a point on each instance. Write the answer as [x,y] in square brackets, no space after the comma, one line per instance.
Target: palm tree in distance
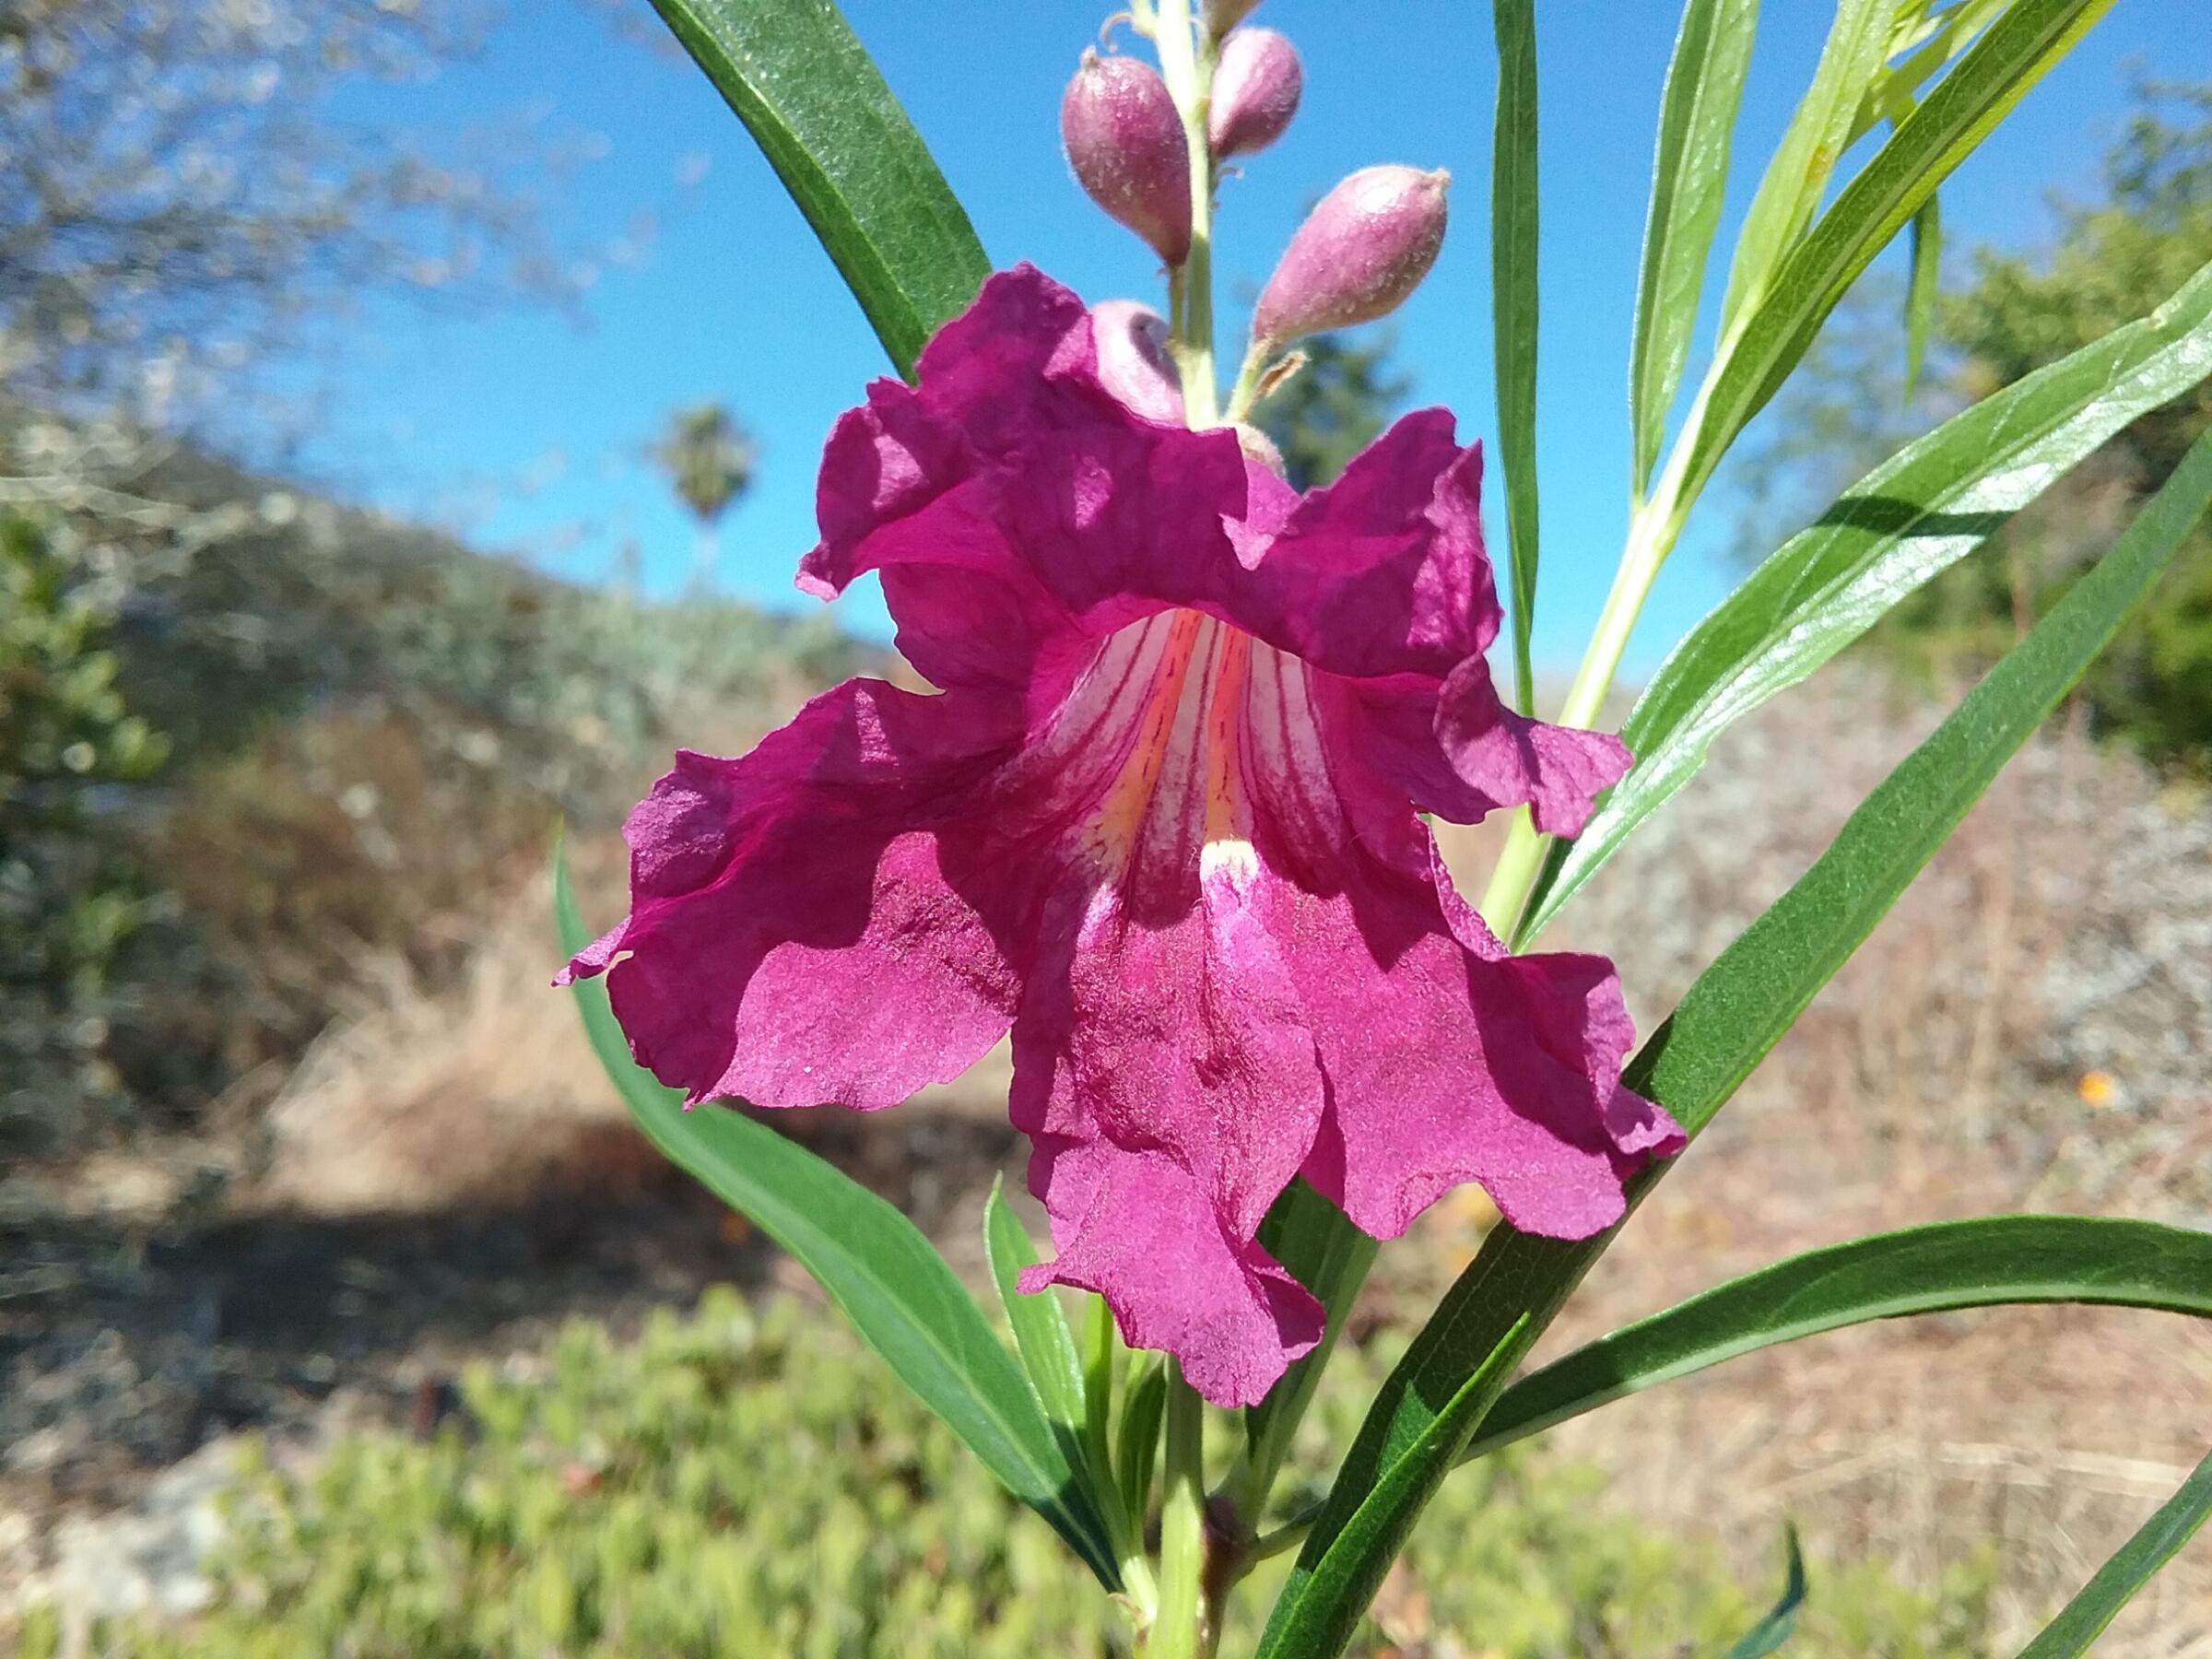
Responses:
[709,458]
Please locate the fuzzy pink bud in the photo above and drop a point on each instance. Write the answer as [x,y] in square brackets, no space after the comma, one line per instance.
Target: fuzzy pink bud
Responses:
[1134,363]
[1256,91]
[1221,16]
[1124,140]
[1358,255]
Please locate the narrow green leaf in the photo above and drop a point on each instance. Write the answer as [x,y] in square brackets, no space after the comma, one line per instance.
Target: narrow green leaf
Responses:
[1319,1247]
[2084,1618]
[1920,292]
[1781,1623]
[1739,1007]
[1513,313]
[1333,1592]
[1912,517]
[1136,1443]
[874,1262]
[1928,42]
[1933,1269]
[1042,1336]
[1697,117]
[1790,190]
[814,103]
[1941,132]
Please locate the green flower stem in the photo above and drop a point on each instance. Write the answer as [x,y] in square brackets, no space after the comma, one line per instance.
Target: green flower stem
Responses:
[1653,528]
[1097,1384]
[1102,1351]
[1281,1540]
[1246,392]
[1189,1624]
[1186,64]
[1253,1481]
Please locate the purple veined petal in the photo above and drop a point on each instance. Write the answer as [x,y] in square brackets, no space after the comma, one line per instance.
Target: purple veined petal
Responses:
[803,930]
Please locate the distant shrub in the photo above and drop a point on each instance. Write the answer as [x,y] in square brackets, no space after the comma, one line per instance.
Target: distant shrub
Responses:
[743,1483]
[71,898]
[370,732]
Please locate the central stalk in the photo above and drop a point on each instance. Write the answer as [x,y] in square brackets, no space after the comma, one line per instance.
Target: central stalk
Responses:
[1187,58]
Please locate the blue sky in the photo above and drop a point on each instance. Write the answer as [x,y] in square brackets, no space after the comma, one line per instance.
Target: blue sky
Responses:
[525,430]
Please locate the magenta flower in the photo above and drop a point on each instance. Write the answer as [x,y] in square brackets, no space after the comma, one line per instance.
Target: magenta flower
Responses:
[1161,822]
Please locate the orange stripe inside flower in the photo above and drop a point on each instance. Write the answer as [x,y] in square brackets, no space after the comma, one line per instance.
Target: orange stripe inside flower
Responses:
[1177,802]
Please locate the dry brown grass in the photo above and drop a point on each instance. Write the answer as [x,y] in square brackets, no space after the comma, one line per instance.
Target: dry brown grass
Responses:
[483,1094]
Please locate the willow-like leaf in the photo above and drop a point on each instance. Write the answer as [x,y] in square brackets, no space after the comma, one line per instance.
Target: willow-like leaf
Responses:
[1697,117]
[1042,1338]
[1940,1268]
[1820,130]
[1910,519]
[1336,1586]
[1513,313]
[1781,1622]
[813,100]
[1920,292]
[2082,1620]
[1781,316]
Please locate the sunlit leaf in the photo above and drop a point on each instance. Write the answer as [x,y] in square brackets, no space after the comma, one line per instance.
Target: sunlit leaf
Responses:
[1333,1587]
[1937,1268]
[1696,117]
[1820,130]
[1781,316]
[1042,1337]
[1910,518]
[2082,1620]
[1513,313]
[814,103]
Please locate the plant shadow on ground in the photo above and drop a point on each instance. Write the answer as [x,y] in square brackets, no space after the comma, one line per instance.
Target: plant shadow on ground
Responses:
[130,1345]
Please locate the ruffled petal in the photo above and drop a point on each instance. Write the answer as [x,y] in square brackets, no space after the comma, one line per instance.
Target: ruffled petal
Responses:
[1381,573]
[1010,498]
[1451,1061]
[816,922]
[1170,1089]
[1162,821]
[1509,760]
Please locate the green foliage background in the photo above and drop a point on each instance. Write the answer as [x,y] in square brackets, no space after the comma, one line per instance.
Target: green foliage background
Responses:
[2113,259]
[745,1481]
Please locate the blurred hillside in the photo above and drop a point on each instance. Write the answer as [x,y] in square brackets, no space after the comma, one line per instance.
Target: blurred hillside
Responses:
[256,740]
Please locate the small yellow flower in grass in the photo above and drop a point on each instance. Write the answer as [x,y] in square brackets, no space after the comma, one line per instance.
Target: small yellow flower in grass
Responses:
[2098,1089]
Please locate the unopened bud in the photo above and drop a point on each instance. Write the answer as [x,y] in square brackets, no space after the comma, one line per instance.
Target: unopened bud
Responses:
[1124,140]
[1132,360]
[1256,91]
[1221,16]
[1358,255]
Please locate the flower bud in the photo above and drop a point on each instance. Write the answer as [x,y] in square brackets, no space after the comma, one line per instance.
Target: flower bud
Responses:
[1256,91]
[1134,363]
[1358,255]
[1221,16]
[1124,140]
